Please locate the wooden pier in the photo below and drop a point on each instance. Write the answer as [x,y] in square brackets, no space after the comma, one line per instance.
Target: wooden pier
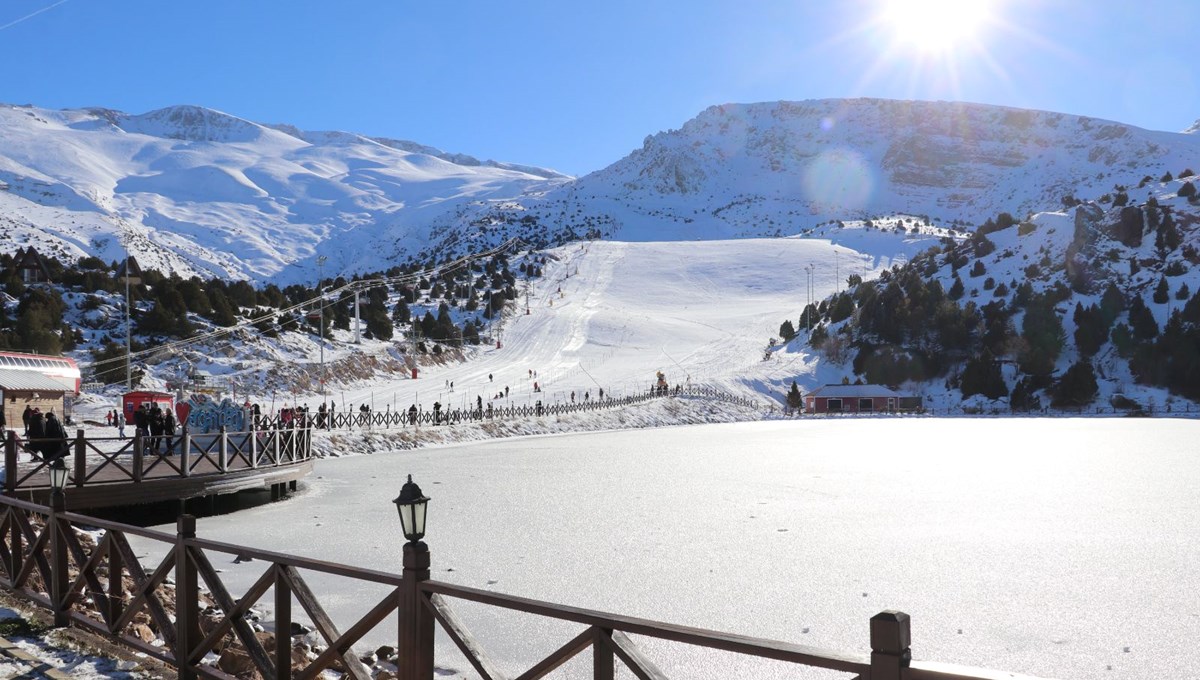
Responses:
[111,472]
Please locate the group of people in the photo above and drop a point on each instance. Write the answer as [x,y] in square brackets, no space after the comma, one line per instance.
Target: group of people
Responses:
[46,439]
[156,426]
[115,418]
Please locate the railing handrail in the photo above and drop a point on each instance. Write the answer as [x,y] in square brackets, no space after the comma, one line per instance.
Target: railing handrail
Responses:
[109,609]
[133,458]
[730,642]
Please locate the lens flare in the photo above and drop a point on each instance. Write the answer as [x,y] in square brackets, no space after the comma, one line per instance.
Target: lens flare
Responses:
[839,180]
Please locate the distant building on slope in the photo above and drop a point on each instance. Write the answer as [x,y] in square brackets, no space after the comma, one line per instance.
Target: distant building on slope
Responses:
[30,267]
[858,399]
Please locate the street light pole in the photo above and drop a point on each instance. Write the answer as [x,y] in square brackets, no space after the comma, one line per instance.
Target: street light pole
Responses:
[415,631]
[58,549]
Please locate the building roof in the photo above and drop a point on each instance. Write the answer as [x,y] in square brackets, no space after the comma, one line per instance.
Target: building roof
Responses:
[28,381]
[853,391]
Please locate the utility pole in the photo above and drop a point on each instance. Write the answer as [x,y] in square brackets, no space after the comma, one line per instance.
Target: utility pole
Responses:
[129,278]
[128,333]
[357,325]
[808,308]
[321,307]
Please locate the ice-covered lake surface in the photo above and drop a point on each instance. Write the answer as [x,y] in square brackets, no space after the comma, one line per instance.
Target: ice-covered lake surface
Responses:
[1059,548]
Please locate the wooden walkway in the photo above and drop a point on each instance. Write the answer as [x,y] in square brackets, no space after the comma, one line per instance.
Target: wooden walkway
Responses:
[110,472]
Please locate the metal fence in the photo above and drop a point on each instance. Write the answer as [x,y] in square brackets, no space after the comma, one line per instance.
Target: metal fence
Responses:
[349,420]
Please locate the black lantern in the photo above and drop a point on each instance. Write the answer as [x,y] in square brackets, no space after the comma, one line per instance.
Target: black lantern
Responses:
[58,475]
[411,506]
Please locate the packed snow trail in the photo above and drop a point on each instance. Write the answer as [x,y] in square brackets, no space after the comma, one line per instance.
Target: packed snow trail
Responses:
[611,314]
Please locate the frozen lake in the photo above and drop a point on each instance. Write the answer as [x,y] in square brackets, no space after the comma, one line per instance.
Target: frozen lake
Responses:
[1057,548]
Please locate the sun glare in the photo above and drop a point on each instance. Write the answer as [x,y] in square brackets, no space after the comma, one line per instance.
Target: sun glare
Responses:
[934,25]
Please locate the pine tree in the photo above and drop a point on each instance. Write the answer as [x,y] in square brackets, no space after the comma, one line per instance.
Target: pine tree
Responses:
[1111,304]
[1162,293]
[956,289]
[1141,320]
[982,375]
[1023,397]
[1077,387]
[794,398]
[1042,333]
[787,331]
[1090,331]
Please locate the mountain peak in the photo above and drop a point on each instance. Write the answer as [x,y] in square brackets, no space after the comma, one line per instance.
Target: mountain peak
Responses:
[194,124]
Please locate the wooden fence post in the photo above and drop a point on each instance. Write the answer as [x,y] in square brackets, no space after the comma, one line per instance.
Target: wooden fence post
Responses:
[223,451]
[283,626]
[187,594]
[115,586]
[10,464]
[603,666]
[80,458]
[414,649]
[185,449]
[891,637]
[138,463]
[253,444]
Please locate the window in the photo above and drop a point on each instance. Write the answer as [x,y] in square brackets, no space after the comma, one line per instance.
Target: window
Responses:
[834,406]
[866,404]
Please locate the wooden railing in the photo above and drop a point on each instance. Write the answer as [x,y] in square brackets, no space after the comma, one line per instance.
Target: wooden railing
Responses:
[43,560]
[348,420]
[108,460]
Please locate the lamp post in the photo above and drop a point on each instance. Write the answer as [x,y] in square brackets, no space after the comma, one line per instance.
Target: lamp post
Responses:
[58,548]
[415,634]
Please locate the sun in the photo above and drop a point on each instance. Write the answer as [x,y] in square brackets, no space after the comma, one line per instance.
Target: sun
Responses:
[934,25]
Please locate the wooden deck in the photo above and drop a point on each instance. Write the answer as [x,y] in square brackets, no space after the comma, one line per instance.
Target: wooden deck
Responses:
[110,472]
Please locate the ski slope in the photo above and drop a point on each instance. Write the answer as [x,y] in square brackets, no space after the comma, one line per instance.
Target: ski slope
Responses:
[611,314]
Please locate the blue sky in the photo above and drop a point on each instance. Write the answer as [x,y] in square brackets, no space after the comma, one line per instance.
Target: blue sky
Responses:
[576,86]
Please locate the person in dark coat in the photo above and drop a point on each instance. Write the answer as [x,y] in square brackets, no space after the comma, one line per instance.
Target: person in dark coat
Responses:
[169,430]
[35,429]
[141,419]
[155,424]
[25,416]
[55,445]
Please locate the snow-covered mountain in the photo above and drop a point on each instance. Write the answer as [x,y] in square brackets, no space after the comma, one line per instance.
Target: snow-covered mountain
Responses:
[194,190]
[761,169]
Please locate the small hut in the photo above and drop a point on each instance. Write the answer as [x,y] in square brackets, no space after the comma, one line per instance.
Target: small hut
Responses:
[22,389]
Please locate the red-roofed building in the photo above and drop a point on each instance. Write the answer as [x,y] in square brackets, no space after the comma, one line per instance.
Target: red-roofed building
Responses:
[858,399]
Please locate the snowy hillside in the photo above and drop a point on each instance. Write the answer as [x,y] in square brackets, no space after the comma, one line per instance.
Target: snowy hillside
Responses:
[196,191]
[1098,304]
[192,190]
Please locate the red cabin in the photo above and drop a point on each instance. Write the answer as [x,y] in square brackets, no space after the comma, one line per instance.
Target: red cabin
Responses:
[858,399]
[130,402]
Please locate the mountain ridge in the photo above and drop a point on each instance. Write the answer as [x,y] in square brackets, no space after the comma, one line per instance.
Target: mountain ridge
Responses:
[182,185]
